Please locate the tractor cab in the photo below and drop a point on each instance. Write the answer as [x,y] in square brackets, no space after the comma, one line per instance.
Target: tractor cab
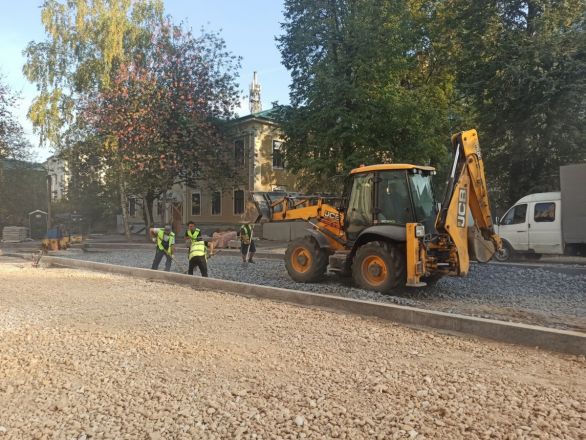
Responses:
[389,194]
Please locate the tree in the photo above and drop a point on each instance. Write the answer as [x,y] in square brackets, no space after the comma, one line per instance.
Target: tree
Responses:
[92,190]
[12,141]
[17,177]
[368,86]
[102,53]
[522,64]
[86,42]
[160,119]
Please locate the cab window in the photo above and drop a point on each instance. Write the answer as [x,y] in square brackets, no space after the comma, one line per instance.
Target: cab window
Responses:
[359,211]
[393,203]
[544,212]
[515,215]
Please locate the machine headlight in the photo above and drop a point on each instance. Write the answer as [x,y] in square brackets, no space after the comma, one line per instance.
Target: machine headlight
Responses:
[420,231]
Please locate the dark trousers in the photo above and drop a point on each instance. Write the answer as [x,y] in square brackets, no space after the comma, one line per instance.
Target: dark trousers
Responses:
[199,262]
[158,257]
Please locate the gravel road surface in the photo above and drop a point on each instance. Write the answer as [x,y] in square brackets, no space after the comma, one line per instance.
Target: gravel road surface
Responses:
[510,293]
[92,356]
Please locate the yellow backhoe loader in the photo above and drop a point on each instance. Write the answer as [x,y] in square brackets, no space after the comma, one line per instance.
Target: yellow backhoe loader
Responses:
[390,232]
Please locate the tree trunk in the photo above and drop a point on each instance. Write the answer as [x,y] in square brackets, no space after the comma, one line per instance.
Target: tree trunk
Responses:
[150,200]
[145,218]
[124,206]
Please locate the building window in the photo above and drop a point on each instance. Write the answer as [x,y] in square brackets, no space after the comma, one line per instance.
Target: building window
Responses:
[131,206]
[238,202]
[544,212]
[239,153]
[278,161]
[195,203]
[216,203]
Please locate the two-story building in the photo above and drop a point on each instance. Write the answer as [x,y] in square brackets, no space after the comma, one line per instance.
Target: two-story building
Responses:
[254,145]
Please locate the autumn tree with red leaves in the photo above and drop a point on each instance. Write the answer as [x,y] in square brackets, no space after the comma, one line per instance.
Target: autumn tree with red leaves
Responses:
[161,119]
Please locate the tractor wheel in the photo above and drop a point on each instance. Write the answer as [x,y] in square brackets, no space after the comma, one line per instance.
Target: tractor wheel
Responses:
[305,261]
[379,266]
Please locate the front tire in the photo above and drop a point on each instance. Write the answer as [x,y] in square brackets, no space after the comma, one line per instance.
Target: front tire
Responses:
[379,266]
[505,254]
[305,261]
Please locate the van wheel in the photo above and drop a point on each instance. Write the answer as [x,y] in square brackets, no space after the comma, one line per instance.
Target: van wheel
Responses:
[505,254]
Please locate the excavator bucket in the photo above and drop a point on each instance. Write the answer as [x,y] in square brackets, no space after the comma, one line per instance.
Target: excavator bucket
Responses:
[478,247]
[264,202]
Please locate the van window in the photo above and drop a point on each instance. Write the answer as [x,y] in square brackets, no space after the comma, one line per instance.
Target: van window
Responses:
[544,212]
[515,215]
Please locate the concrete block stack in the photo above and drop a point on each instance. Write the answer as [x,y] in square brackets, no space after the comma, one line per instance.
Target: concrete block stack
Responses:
[14,234]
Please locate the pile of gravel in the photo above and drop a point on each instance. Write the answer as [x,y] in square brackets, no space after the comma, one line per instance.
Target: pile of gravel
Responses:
[530,295]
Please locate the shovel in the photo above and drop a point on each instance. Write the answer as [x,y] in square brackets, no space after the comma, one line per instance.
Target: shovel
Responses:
[179,265]
[249,244]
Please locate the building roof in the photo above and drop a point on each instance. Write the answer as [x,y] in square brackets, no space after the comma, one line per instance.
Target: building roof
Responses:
[13,164]
[266,116]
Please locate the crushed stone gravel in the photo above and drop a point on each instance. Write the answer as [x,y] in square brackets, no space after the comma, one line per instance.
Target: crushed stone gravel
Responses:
[510,293]
[93,356]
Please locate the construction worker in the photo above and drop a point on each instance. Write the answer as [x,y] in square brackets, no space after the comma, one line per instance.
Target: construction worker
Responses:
[165,239]
[247,247]
[192,233]
[198,256]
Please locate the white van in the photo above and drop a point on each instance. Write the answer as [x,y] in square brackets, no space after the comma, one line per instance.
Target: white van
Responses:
[548,223]
[532,226]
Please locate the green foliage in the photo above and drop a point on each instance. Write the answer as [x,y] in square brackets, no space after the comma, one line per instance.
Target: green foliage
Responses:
[92,190]
[159,118]
[129,99]
[87,40]
[23,187]
[522,65]
[13,144]
[368,86]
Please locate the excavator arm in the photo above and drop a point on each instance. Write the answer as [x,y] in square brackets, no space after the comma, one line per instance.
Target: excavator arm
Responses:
[466,190]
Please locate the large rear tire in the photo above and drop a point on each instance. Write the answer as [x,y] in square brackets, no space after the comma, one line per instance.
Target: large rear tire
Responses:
[305,261]
[379,266]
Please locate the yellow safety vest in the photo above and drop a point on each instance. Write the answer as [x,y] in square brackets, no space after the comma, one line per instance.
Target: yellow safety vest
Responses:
[160,236]
[197,249]
[193,235]
[245,233]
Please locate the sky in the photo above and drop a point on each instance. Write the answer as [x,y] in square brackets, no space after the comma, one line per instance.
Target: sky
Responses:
[248,26]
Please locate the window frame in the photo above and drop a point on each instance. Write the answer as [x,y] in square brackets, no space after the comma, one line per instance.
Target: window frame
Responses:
[278,148]
[191,203]
[234,201]
[238,163]
[512,209]
[212,204]
[540,220]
